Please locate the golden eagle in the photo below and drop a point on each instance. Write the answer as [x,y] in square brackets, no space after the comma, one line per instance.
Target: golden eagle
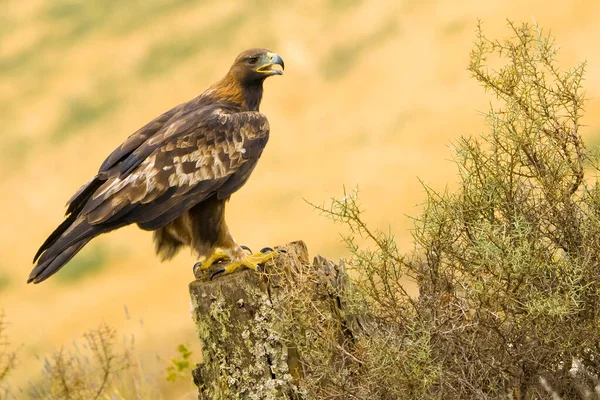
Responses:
[174,175]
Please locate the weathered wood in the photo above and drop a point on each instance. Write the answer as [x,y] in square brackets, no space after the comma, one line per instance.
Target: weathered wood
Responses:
[247,352]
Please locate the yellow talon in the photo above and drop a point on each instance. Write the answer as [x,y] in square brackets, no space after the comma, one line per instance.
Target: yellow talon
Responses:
[206,264]
[251,261]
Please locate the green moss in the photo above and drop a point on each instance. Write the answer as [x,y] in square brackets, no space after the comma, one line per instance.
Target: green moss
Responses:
[238,347]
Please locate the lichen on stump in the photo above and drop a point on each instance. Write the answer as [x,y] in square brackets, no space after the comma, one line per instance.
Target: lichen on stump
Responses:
[251,325]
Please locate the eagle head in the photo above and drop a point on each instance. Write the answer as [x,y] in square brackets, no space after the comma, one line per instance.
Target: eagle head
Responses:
[255,65]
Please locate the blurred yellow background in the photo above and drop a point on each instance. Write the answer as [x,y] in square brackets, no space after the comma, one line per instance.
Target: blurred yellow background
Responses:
[373,94]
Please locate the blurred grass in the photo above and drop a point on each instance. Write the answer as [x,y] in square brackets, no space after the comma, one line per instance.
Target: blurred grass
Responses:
[82,111]
[16,148]
[68,22]
[454,27]
[7,24]
[343,4]
[29,57]
[80,18]
[14,152]
[593,139]
[360,138]
[5,281]
[150,11]
[90,260]
[344,57]
[165,55]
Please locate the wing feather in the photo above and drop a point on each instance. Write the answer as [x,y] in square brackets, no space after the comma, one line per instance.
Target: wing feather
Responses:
[137,139]
[204,147]
[173,163]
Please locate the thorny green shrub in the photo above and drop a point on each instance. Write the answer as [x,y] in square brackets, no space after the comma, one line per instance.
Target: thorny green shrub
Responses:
[507,264]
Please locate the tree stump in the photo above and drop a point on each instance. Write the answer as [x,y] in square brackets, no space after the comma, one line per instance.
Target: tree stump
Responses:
[247,353]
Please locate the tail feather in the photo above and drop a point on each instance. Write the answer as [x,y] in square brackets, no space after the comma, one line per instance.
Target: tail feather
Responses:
[54,236]
[48,268]
[64,247]
[81,197]
[61,247]
[78,231]
[75,205]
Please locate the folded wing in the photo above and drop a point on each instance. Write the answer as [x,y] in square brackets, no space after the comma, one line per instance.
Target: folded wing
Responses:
[167,167]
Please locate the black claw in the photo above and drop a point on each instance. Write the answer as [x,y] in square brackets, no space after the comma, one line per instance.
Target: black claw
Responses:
[195,268]
[248,249]
[266,250]
[217,272]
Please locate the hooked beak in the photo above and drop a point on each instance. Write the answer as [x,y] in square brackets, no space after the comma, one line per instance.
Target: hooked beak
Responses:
[269,60]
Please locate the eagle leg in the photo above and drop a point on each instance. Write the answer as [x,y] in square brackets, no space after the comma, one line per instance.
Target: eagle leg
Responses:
[206,264]
[251,261]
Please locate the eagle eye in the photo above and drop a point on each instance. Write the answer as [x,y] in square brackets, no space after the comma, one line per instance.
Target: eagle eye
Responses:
[252,60]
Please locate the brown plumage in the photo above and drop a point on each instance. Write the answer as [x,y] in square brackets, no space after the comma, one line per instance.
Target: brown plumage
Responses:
[174,175]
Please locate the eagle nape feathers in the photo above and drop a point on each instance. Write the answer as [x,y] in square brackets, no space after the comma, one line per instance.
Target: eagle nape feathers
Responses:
[174,175]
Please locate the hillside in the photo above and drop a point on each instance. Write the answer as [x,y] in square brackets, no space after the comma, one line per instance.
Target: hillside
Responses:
[373,94]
